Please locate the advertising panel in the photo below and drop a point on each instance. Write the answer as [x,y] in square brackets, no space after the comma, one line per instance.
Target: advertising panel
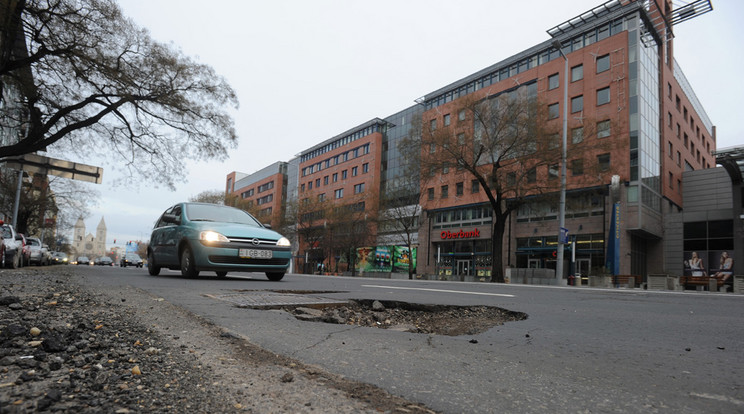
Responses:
[385,259]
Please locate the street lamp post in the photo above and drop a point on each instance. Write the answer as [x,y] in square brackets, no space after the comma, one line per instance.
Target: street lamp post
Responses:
[562,205]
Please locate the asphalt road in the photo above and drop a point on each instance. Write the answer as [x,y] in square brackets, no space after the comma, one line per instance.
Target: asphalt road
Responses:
[580,350]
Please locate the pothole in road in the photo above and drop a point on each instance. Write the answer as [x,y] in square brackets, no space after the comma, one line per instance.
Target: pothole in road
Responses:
[394,315]
[409,317]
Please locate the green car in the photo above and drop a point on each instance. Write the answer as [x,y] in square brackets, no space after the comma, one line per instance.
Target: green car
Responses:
[195,237]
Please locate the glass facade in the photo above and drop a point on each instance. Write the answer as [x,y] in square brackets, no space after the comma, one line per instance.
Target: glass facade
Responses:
[392,167]
[643,101]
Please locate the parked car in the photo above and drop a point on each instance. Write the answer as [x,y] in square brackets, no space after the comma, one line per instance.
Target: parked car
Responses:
[60,258]
[131,259]
[196,237]
[104,261]
[83,260]
[39,253]
[26,251]
[13,246]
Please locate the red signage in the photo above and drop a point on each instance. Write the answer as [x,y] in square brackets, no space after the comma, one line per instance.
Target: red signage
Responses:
[461,234]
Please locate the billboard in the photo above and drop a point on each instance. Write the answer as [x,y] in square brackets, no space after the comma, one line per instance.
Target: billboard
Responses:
[712,263]
[385,259]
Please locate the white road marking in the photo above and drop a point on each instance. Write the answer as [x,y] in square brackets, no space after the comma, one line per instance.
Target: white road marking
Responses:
[441,290]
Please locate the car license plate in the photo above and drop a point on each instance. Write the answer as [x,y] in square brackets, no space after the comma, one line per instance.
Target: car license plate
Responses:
[255,254]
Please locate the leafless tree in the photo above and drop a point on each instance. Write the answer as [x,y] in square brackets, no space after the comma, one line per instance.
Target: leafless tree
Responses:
[209,196]
[78,76]
[507,144]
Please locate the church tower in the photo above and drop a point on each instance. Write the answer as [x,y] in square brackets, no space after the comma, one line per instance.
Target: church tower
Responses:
[78,238]
[100,240]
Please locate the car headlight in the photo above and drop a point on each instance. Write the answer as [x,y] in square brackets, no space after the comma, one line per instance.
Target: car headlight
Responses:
[283,242]
[212,236]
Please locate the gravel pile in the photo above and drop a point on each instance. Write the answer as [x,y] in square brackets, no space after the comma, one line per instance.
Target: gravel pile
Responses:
[63,350]
[69,348]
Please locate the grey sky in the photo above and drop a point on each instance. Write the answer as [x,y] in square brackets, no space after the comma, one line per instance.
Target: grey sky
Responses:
[307,70]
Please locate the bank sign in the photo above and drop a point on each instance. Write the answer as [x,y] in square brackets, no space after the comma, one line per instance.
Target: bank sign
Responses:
[461,234]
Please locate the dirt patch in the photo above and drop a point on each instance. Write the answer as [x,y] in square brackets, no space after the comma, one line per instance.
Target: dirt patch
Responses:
[410,317]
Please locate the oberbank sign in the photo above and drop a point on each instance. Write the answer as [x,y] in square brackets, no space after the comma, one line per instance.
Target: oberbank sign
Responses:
[462,234]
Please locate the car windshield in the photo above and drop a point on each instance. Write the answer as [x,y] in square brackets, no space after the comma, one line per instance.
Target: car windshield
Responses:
[207,212]
[6,232]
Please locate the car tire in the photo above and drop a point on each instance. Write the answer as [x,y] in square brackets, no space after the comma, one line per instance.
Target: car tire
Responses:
[275,276]
[188,266]
[152,268]
[221,274]
[14,263]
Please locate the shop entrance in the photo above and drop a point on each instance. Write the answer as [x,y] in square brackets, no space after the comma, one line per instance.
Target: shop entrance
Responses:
[463,267]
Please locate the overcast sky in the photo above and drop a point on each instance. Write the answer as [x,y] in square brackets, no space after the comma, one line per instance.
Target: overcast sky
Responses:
[307,70]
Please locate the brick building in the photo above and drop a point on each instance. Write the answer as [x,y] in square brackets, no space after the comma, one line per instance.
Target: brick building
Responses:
[625,91]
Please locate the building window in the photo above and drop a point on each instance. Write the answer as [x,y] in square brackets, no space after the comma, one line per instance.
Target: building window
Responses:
[577,73]
[459,188]
[445,191]
[432,148]
[577,104]
[511,179]
[532,175]
[679,158]
[553,171]
[302,188]
[603,63]
[354,171]
[461,115]
[430,193]
[325,180]
[317,182]
[669,149]
[669,119]
[474,186]
[365,168]
[344,174]
[603,96]
[335,177]
[553,110]
[359,188]
[677,102]
[321,197]
[554,141]
[577,135]
[446,119]
[339,193]
[603,129]
[310,185]
[577,167]
[603,162]
[461,139]
[671,180]
[433,125]
[553,81]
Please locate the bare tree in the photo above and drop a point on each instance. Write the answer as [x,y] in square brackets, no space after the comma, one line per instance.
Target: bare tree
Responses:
[82,77]
[507,144]
[209,196]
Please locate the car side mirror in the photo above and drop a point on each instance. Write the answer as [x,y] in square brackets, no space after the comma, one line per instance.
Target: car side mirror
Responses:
[267,225]
[19,237]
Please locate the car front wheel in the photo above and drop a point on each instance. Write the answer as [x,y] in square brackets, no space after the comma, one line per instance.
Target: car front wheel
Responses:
[275,276]
[152,268]
[188,267]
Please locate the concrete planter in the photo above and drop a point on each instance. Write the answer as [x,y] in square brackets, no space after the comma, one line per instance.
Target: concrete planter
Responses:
[600,281]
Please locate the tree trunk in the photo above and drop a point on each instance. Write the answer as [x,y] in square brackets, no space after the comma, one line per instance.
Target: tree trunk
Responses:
[497,242]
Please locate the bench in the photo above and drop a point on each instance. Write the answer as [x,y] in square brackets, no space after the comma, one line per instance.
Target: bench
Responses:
[700,282]
[620,280]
